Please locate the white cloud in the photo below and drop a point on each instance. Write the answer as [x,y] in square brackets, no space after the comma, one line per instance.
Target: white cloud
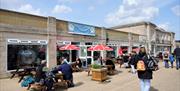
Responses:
[10,4]
[176,10]
[61,9]
[21,6]
[165,26]
[91,8]
[132,11]
[27,8]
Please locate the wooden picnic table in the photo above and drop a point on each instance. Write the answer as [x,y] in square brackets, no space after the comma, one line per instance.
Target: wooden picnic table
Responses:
[27,70]
[41,87]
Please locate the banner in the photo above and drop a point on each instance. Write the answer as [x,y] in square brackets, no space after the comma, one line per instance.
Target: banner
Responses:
[81,29]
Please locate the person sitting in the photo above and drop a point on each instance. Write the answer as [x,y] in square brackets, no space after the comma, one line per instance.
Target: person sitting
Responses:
[67,73]
[110,63]
[40,74]
[65,60]
[41,77]
[100,61]
[78,64]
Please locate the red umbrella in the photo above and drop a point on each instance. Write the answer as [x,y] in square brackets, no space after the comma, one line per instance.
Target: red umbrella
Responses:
[69,47]
[120,51]
[99,47]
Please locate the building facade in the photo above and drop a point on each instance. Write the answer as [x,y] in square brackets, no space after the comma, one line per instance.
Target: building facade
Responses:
[177,43]
[27,39]
[155,38]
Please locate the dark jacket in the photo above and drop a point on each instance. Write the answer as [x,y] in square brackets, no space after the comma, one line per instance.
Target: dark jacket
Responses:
[67,71]
[177,51]
[110,62]
[147,74]
[132,59]
[40,74]
[125,58]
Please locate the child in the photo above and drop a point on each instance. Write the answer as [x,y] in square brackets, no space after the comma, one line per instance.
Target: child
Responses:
[171,59]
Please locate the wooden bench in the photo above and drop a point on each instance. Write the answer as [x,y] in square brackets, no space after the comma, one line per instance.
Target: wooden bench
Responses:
[36,87]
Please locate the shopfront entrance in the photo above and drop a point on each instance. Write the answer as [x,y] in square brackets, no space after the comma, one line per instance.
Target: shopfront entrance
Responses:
[85,55]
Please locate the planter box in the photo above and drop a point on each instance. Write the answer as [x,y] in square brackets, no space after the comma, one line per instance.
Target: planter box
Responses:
[99,74]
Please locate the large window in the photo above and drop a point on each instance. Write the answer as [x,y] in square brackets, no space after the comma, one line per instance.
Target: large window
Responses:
[21,55]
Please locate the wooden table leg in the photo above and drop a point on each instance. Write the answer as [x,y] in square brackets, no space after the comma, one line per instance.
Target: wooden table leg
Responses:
[15,73]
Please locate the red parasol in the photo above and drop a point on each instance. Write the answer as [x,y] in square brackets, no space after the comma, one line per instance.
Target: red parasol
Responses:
[99,47]
[69,47]
[120,51]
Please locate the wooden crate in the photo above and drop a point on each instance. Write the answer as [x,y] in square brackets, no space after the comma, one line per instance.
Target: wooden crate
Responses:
[99,74]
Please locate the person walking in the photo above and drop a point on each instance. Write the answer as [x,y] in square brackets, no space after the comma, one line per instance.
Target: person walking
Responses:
[126,60]
[177,55]
[171,59]
[144,74]
[132,62]
[166,58]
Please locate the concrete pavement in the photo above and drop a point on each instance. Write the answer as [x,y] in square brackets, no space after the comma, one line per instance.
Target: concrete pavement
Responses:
[164,80]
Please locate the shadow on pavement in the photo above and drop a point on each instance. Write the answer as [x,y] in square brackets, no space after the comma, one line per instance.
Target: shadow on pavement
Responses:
[62,88]
[78,84]
[117,72]
[153,89]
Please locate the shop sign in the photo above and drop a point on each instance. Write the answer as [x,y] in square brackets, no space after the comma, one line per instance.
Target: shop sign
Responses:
[17,41]
[81,29]
[63,42]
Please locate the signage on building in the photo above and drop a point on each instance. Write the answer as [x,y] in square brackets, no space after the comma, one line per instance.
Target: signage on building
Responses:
[81,29]
[63,42]
[17,41]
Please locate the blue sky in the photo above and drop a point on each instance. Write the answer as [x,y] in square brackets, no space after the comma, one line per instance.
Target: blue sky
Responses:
[106,13]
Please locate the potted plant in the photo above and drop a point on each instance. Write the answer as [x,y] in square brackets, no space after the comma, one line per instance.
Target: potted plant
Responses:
[98,73]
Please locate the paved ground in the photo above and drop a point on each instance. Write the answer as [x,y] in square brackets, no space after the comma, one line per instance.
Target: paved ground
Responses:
[164,80]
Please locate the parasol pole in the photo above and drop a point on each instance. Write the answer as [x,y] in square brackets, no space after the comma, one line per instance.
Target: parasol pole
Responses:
[70,56]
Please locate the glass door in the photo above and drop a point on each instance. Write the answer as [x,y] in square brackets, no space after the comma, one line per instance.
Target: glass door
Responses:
[85,55]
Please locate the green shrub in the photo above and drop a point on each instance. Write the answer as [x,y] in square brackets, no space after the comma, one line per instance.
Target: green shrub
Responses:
[96,66]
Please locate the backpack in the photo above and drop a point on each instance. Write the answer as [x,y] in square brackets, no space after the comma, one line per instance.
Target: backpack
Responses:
[26,81]
[166,55]
[141,65]
[152,63]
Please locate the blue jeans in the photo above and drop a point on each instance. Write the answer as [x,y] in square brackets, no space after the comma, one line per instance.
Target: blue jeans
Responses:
[166,63]
[178,62]
[145,84]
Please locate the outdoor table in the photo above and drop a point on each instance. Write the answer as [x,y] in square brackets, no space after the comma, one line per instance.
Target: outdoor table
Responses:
[89,69]
[62,81]
[38,86]
[110,68]
[59,76]
[26,71]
